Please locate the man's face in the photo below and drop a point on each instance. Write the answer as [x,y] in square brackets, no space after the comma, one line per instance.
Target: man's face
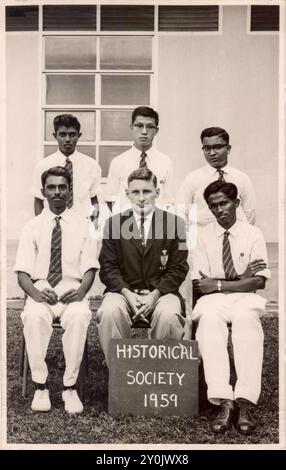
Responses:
[142,195]
[56,191]
[144,131]
[67,138]
[216,157]
[223,208]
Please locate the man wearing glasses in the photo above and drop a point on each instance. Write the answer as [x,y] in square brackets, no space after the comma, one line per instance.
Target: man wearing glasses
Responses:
[144,127]
[216,150]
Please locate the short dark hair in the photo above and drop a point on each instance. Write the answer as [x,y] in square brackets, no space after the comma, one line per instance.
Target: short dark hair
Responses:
[215,131]
[56,171]
[66,120]
[143,174]
[146,112]
[218,186]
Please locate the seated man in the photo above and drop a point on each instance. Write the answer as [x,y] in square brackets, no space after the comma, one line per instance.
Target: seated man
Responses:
[56,264]
[230,264]
[143,261]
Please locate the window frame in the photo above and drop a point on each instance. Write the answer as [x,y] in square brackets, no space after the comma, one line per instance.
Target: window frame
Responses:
[260,33]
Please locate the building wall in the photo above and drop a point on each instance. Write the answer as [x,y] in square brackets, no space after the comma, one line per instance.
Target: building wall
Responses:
[229,80]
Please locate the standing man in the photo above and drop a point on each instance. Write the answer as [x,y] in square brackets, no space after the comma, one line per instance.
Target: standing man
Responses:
[216,149]
[84,171]
[143,261]
[144,126]
[230,264]
[56,264]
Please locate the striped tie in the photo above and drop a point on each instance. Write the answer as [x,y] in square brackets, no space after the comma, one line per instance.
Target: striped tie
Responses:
[142,230]
[68,166]
[55,270]
[143,163]
[220,173]
[229,269]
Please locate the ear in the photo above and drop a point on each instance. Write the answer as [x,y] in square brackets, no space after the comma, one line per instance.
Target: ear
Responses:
[43,192]
[157,192]
[79,135]
[156,131]
[127,192]
[55,135]
[229,148]
[236,202]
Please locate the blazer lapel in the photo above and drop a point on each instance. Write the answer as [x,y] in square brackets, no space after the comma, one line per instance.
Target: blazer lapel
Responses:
[131,228]
[156,229]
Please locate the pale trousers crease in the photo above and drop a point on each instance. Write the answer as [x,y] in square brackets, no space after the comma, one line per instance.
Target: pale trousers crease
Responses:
[113,319]
[243,311]
[37,319]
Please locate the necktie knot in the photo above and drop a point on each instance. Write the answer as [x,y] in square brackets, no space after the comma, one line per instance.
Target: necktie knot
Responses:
[220,174]
[143,163]
[226,234]
[57,219]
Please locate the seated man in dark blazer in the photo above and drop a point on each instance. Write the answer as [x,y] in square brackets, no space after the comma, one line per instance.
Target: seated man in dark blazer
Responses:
[143,262]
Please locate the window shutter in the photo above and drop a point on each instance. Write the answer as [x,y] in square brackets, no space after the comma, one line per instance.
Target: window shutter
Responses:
[189,18]
[69,18]
[22,18]
[264,18]
[127,18]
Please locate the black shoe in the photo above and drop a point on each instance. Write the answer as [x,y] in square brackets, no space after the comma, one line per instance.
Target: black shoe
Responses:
[245,423]
[223,420]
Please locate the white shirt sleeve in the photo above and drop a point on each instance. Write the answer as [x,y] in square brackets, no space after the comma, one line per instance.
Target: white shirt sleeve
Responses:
[200,260]
[259,251]
[89,252]
[26,253]
[248,200]
[95,189]
[37,183]
[112,186]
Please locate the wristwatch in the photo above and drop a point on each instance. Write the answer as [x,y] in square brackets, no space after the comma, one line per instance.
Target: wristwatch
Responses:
[218,285]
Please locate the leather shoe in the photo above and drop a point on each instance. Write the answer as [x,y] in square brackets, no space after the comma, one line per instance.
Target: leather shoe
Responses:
[223,420]
[245,423]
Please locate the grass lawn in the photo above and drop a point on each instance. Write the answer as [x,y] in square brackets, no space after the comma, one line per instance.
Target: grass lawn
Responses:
[95,426]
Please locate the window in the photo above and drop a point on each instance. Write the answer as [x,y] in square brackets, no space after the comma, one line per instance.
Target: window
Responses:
[189,18]
[22,18]
[69,17]
[264,18]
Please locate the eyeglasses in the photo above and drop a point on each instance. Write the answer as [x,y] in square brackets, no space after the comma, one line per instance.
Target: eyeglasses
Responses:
[148,127]
[216,147]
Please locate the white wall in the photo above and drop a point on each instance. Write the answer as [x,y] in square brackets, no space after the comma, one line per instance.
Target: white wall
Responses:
[229,81]
[22,126]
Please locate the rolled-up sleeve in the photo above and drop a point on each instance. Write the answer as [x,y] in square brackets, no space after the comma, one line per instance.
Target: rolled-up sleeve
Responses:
[95,189]
[89,251]
[259,251]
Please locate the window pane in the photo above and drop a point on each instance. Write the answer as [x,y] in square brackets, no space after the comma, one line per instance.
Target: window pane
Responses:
[70,52]
[128,90]
[86,119]
[126,53]
[106,154]
[22,18]
[264,18]
[115,125]
[87,149]
[70,89]
[188,18]
[69,17]
[127,18]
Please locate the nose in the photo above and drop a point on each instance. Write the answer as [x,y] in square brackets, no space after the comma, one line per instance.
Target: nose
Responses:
[141,197]
[219,209]
[57,190]
[67,138]
[212,152]
[144,129]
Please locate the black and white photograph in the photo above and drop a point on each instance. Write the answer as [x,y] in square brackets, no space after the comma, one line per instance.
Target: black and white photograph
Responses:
[142,225]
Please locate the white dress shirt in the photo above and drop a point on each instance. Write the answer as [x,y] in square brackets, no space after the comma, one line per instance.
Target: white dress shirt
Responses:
[79,247]
[193,186]
[246,244]
[122,165]
[86,178]
[147,222]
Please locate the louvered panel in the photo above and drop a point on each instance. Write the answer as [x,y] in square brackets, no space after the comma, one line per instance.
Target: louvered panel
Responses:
[69,18]
[264,18]
[127,18]
[22,18]
[189,18]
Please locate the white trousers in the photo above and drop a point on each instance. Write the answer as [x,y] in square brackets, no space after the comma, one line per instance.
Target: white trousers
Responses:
[37,319]
[243,311]
[113,319]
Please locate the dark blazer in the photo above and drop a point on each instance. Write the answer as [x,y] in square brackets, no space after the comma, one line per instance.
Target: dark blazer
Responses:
[161,264]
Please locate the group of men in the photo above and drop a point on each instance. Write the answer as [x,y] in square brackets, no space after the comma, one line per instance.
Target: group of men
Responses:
[143,262]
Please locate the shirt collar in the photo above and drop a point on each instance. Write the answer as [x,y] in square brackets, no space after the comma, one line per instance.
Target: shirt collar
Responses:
[147,217]
[233,230]
[212,171]
[148,152]
[70,157]
[65,215]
